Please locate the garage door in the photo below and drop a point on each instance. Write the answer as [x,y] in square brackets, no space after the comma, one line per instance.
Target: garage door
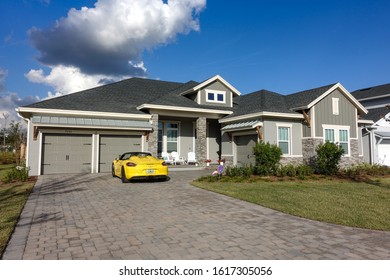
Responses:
[111,146]
[384,153]
[66,153]
[244,145]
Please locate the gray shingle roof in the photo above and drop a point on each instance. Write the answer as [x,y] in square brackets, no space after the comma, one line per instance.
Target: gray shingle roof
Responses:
[119,97]
[375,91]
[260,101]
[304,98]
[376,114]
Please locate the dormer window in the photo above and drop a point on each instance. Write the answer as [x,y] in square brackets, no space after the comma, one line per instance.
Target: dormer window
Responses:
[216,96]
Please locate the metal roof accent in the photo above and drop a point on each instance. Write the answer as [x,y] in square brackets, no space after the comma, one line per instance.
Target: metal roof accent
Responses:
[91,122]
[242,125]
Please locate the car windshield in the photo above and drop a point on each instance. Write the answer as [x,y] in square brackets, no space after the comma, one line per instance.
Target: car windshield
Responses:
[132,154]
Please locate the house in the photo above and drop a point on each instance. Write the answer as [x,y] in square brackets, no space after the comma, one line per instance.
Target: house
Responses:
[84,131]
[376,135]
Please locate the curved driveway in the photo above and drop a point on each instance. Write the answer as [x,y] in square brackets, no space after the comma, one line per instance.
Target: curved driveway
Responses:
[95,216]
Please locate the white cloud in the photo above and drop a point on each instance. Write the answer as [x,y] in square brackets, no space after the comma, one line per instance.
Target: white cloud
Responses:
[69,79]
[9,102]
[109,39]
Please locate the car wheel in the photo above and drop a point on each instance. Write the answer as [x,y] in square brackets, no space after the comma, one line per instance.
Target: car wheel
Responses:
[113,171]
[123,176]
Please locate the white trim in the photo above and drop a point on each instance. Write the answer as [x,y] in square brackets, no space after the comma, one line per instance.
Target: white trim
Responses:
[262,114]
[313,138]
[313,122]
[375,97]
[83,113]
[215,94]
[185,109]
[366,121]
[198,97]
[336,129]
[289,126]
[40,147]
[93,160]
[211,80]
[376,106]
[336,105]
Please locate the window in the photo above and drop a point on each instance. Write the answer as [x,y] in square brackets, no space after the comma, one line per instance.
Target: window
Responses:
[343,140]
[335,106]
[329,135]
[215,96]
[284,139]
[168,137]
[172,136]
[339,136]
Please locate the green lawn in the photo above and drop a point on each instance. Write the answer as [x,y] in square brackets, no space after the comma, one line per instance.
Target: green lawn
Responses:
[345,202]
[12,199]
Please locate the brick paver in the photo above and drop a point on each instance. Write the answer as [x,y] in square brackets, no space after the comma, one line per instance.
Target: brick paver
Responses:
[95,216]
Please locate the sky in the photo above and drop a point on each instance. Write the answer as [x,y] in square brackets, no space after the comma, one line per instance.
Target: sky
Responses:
[50,48]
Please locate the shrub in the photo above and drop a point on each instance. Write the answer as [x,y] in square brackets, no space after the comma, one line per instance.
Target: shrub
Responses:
[267,158]
[18,173]
[7,158]
[328,158]
[365,169]
[239,171]
[300,171]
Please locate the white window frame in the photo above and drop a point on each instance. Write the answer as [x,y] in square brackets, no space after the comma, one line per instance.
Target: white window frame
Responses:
[335,105]
[289,126]
[215,94]
[165,134]
[336,130]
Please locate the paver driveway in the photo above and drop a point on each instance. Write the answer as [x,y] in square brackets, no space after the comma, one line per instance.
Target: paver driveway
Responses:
[95,216]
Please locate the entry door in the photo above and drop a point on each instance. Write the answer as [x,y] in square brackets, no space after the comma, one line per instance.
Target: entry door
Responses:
[111,146]
[244,149]
[66,154]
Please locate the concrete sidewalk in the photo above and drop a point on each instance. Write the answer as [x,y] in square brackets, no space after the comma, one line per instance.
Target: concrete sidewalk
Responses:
[95,216]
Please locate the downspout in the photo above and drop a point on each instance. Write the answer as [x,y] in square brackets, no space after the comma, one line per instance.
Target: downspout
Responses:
[28,138]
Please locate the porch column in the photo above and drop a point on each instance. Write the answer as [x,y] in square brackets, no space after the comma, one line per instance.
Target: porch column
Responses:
[153,136]
[201,140]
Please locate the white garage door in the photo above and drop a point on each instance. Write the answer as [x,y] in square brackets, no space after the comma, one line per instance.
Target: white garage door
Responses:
[66,153]
[111,146]
[384,154]
[244,146]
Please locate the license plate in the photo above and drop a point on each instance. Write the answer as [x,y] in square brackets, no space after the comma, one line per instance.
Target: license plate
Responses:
[149,171]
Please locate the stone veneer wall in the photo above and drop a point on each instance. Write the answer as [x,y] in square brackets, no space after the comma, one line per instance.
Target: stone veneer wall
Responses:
[201,140]
[153,136]
[309,146]
[291,160]
[354,157]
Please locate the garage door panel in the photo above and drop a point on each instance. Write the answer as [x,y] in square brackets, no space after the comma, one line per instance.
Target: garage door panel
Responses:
[111,146]
[244,149]
[66,153]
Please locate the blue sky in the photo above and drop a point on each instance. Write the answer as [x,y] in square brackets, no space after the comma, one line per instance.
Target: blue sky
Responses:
[282,46]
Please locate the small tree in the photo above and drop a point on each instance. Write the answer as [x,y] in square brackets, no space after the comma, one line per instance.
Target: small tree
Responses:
[328,158]
[267,157]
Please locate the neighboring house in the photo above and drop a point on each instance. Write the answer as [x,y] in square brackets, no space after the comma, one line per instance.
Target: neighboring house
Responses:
[376,135]
[84,131]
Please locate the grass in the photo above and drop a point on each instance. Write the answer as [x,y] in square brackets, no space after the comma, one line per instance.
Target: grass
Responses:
[332,200]
[13,196]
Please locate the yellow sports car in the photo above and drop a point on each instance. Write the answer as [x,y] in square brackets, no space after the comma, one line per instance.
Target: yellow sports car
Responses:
[139,165]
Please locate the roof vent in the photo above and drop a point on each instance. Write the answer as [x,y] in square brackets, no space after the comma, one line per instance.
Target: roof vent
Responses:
[365,89]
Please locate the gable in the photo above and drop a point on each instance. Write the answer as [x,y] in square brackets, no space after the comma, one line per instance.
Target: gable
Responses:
[326,113]
[215,94]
